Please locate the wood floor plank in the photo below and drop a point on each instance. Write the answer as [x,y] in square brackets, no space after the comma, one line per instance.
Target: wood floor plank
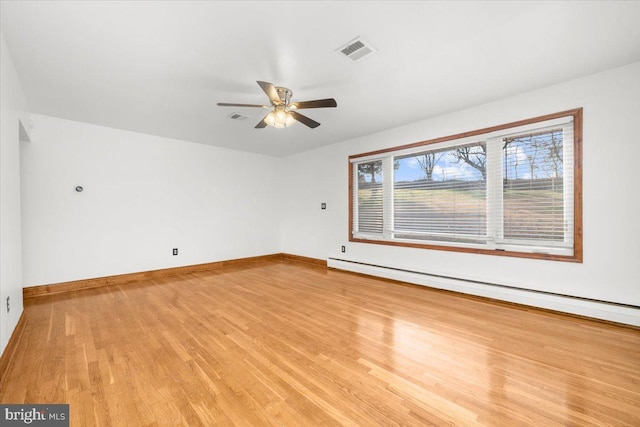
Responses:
[289,344]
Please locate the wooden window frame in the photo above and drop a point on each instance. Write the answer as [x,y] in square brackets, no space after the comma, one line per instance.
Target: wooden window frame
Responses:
[577,256]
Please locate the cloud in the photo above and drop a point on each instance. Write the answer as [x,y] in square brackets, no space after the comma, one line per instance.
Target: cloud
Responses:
[412,162]
[453,170]
[518,152]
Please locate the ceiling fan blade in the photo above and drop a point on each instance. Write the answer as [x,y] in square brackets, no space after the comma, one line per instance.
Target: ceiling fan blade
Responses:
[318,103]
[271,92]
[262,123]
[304,120]
[227,104]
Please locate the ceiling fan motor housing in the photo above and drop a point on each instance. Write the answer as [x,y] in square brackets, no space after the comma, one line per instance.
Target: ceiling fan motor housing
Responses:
[284,94]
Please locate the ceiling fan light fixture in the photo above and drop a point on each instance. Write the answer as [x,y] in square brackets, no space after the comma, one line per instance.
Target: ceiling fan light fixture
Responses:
[279,118]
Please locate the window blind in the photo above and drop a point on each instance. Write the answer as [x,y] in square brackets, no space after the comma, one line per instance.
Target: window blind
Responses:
[368,216]
[441,195]
[537,187]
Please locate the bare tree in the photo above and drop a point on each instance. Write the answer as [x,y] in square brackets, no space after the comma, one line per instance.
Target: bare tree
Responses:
[543,152]
[427,162]
[475,156]
[553,154]
[551,146]
[532,156]
[528,146]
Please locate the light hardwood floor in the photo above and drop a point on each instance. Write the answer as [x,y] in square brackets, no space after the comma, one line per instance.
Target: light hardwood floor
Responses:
[283,343]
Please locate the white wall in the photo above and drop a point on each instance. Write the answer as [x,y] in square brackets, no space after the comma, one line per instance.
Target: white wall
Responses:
[13,110]
[611,267]
[143,195]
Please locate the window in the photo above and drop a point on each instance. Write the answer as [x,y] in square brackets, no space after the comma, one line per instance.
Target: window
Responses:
[370,197]
[435,197]
[512,189]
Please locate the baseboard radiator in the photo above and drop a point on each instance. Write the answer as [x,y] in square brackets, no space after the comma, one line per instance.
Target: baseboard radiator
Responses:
[604,310]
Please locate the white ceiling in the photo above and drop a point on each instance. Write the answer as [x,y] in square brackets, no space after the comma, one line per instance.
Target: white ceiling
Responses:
[161,67]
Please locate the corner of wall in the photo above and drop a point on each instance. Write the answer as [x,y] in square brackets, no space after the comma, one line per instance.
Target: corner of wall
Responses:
[14,123]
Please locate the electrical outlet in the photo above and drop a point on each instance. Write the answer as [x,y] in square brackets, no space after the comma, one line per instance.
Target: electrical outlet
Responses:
[8,306]
[175,251]
[343,249]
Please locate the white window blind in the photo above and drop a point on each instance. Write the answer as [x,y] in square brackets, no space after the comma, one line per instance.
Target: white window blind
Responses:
[536,187]
[368,218]
[510,189]
[441,195]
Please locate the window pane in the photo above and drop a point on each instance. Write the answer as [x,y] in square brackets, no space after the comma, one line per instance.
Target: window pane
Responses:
[370,197]
[441,195]
[533,187]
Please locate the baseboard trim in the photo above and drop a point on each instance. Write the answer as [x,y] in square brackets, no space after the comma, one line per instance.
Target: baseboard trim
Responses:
[304,259]
[10,350]
[98,282]
[577,307]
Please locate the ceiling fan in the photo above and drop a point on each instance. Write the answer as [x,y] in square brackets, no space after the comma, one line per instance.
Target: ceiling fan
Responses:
[283,112]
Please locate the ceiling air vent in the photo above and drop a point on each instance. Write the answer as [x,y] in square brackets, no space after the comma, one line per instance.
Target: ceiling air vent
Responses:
[356,49]
[237,116]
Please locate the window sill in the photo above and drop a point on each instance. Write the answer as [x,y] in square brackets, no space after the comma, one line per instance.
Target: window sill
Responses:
[576,257]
